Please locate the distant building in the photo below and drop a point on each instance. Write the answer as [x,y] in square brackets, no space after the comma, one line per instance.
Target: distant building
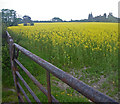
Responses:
[90,17]
[103,18]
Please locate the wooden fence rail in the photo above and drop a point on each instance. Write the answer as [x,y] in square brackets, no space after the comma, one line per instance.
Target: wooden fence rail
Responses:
[89,92]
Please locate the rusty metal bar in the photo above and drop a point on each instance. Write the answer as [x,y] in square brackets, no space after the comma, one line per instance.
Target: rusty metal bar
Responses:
[49,87]
[11,55]
[35,80]
[17,53]
[20,97]
[16,77]
[76,84]
[28,88]
[18,90]
[27,98]
[8,36]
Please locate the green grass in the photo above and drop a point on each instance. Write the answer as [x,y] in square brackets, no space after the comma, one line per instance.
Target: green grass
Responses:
[39,73]
[9,96]
[7,78]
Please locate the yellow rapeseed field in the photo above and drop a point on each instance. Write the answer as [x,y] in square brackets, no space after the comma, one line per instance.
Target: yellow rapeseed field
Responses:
[90,49]
[71,42]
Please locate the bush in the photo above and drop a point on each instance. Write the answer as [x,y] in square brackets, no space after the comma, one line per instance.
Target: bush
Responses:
[25,24]
[32,24]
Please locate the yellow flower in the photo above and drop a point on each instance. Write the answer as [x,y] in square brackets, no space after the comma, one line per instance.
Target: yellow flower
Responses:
[62,92]
[70,94]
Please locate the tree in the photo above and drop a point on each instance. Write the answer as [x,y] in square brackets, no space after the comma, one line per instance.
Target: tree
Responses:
[9,17]
[27,19]
[111,18]
[56,19]
[105,15]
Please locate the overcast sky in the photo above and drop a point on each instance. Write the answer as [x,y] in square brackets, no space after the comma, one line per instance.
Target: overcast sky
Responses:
[65,9]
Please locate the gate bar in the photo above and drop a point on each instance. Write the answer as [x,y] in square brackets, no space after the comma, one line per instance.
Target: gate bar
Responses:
[18,84]
[35,80]
[28,88]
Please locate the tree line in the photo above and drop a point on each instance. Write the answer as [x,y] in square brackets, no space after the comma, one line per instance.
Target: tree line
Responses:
[9,18]
[104,18]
